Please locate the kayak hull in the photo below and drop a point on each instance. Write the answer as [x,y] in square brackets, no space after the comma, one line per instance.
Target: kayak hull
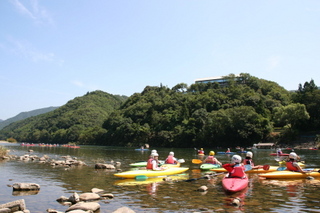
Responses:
[225,152]
[271,169]
[133,182]
[208,166]
[151,173]
[276,154]
[289,174]
[234,184]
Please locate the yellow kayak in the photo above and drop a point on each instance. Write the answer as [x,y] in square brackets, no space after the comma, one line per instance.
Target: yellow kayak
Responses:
[132,182]
[290,174]
[152,173]
[271,169]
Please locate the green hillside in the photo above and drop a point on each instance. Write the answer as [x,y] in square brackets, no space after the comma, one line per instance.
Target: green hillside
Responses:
[24,115]
[78,121]
[244,111]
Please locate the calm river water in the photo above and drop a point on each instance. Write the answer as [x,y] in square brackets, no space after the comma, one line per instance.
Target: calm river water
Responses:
[178,196]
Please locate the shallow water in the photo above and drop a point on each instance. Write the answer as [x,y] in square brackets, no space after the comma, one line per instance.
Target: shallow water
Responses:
[178,196]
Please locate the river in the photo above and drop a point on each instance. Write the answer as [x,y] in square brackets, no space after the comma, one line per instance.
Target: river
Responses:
[300,195]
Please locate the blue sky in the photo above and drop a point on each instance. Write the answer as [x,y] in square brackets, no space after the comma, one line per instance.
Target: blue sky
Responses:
[54,51]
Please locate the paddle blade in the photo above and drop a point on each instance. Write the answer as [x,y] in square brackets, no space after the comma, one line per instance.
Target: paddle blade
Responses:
[196,161]
[247,167]
[266,167]
[181,161]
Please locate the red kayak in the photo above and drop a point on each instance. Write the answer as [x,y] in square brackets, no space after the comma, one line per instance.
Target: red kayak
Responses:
[283,154]
[234,184]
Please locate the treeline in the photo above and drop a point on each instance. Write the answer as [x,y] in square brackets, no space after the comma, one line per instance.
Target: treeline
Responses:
[244,112]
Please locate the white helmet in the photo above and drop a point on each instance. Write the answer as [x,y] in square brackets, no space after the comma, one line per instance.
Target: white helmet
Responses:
[236,159]
[293,155]
[154,154]
[154,151]
[249,154]
[171,153]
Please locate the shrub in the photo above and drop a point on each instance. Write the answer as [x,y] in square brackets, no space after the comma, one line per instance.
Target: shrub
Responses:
[3,151]
[12,140]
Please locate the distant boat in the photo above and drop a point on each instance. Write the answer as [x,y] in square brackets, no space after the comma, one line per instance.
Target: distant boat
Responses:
[142,149]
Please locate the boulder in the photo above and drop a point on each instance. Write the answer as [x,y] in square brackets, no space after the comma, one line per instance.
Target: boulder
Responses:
[14,206]
[25,186]
[87,206]
[104,166]
[89,196]
[202,188]
[74,198]
[124,210]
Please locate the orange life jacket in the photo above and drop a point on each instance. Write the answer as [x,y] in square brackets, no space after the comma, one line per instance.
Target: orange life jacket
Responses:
[170,160]
[238,171]
[149,163]
[291,167]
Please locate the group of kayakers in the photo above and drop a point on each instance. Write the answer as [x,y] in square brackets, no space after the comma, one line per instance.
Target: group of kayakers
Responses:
[153,161]
[237,166]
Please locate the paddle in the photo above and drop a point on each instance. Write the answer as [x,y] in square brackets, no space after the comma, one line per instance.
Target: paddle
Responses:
[247,167]
[266,167]
[181,161]
[205,177]
[196,161]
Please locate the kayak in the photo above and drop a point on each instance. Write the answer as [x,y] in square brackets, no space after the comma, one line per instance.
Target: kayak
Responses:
[234,184]
[207,166]
[151,173]
[133,182]
[225,152]
[290,174]
[271,169]
[144,164]
[276,154]
[142,149]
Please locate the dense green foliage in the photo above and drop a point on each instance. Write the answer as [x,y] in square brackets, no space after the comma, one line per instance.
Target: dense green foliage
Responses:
[241,113]
[80,121]
[199,115]
[24,115]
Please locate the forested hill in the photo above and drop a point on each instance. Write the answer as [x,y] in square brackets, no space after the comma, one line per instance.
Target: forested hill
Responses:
[79,121]
[241,113]
[24,115]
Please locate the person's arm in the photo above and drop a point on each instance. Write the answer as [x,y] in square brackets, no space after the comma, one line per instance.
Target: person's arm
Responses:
[218,162]
[228,167]
[298,166]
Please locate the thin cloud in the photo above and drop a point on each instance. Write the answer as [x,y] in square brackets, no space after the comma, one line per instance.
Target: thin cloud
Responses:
[35,11]
[27,51]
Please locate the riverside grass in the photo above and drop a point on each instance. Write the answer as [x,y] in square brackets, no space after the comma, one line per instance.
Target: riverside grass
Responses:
[3,151]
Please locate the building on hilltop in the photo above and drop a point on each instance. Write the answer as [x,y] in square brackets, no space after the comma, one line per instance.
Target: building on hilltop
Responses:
[221,80]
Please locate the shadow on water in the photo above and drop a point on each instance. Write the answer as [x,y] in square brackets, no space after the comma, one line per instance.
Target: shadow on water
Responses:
[153,195]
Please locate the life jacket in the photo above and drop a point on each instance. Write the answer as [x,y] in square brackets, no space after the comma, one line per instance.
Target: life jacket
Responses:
[211,159]
[291,167]
[170,160]
[200,152]
[149,163]
[238,171]
[248,162]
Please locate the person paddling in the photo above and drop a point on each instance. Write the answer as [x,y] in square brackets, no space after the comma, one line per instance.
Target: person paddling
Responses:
[211,159]
[248,161]
[171,159]
[235,168]
[292,163]
[201,152]
[153,162]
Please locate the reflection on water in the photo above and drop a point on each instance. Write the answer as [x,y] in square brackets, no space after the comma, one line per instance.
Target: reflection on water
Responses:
[153,195]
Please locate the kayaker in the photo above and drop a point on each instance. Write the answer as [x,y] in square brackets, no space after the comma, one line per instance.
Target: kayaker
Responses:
[211,159]
[151,156]
[171,159]
[292,163]
[235,168]
[201,152]
[153,162]
[248,161]
[279,151]
[228,150]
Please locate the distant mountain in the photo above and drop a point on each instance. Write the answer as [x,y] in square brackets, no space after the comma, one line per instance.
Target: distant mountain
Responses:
[24,115]
[78,121]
